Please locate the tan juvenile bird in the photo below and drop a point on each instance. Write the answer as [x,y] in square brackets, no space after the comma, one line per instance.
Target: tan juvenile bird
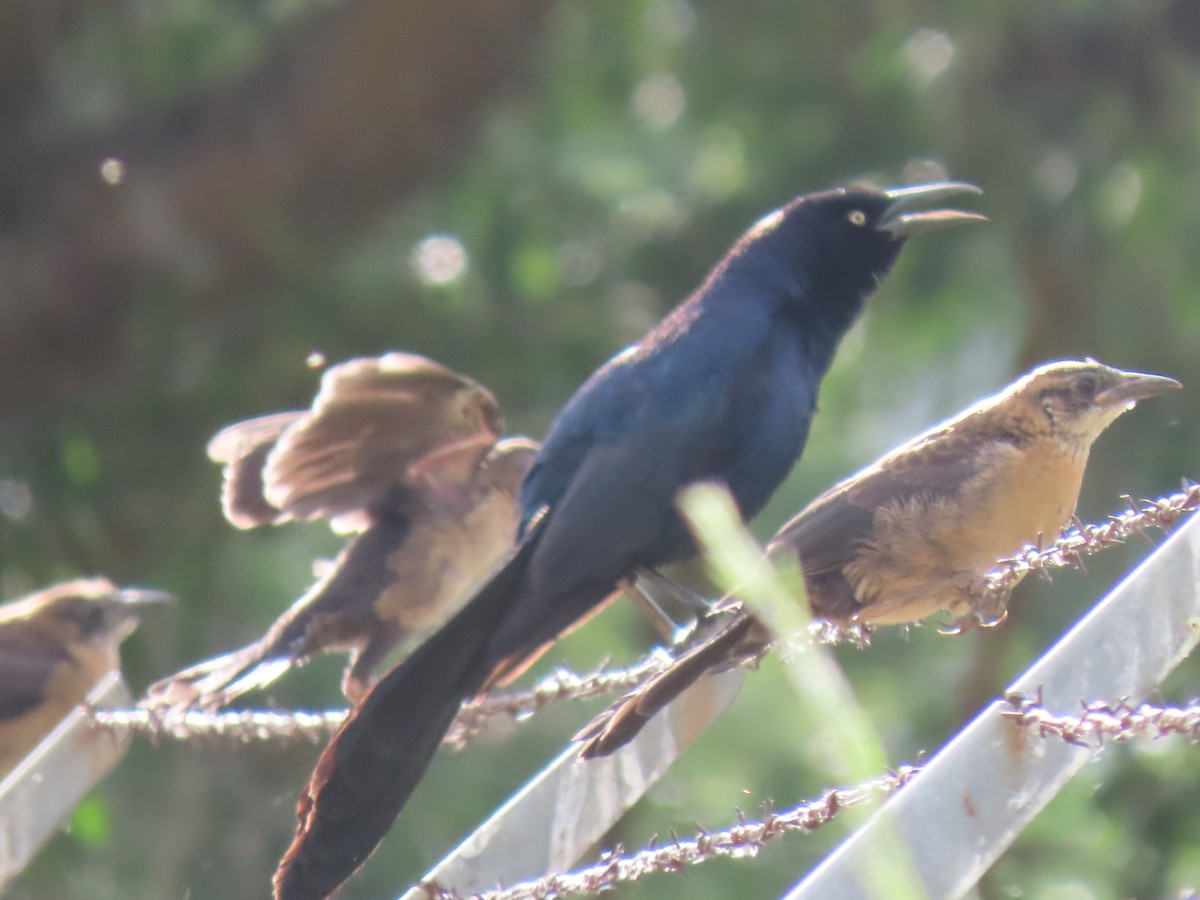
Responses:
[401,450]
[912,534]
[55,645]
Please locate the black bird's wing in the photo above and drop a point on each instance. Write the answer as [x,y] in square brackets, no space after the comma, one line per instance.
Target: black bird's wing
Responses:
[604,528]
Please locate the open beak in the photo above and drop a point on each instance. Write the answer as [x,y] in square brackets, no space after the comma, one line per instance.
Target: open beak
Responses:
[904,217]
[1135,386]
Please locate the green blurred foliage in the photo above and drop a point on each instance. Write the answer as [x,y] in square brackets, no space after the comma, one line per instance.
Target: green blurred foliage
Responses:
[645,137]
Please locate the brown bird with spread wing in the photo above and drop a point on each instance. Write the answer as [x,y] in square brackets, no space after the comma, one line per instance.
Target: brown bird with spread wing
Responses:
[401,450]
[55,646]
[912,534]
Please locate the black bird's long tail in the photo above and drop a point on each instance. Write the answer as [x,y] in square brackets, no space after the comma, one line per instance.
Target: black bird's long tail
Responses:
[366,774]
[736,639]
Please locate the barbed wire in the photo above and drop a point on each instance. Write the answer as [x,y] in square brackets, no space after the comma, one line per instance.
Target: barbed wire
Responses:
[287,726]
[159,724]
[225,727]
[1101,721]
[1084,540]
[242,727]
[745,839]
[559,685]
[990,604]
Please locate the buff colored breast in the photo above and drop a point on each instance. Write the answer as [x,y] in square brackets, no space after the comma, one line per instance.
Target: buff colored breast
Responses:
[1020,496]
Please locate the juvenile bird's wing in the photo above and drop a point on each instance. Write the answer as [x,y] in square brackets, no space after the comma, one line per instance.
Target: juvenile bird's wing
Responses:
[25,668]
[395,420]
[402,575]
[829,532]
[339,612]
[242,449]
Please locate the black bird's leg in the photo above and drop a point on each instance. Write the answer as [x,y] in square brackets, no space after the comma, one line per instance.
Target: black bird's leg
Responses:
[663,623]
[701,606]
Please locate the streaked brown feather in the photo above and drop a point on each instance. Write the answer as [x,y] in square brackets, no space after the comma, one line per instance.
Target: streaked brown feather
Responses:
[373,422]
[243,448]
[376,423]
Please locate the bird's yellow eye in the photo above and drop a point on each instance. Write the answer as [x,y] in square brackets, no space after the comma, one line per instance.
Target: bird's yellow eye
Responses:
[857,218]
[1085,386]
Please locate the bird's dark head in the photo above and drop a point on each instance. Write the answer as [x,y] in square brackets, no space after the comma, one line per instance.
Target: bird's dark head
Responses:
[85,611]
[832,248]
[1077,400]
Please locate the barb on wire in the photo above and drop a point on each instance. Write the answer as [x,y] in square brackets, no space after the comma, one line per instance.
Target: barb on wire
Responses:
[559,685]
[1084,540]
[1100,721]
[226,727]
[741,840]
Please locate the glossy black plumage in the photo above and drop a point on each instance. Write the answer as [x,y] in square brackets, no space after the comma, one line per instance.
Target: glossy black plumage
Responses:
[722,389]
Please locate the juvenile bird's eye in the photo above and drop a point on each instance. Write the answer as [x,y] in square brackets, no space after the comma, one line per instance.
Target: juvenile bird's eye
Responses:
[857,218]
[89,618]
[1085,386]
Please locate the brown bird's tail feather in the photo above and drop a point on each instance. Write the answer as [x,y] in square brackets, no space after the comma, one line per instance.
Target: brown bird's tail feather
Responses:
[217,682]
[366,774]
[620,723]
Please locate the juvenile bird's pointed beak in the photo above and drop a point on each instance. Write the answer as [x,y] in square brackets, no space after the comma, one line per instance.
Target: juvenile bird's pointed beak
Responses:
[903,219]
[126,607]
[1135,386]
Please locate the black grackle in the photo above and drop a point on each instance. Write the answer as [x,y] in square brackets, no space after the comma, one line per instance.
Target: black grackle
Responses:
[722,389]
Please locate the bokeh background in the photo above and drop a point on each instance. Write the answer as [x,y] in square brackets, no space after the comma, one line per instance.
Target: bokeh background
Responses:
[197,194]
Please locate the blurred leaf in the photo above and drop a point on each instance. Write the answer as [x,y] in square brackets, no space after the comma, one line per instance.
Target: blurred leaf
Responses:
[91,823]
